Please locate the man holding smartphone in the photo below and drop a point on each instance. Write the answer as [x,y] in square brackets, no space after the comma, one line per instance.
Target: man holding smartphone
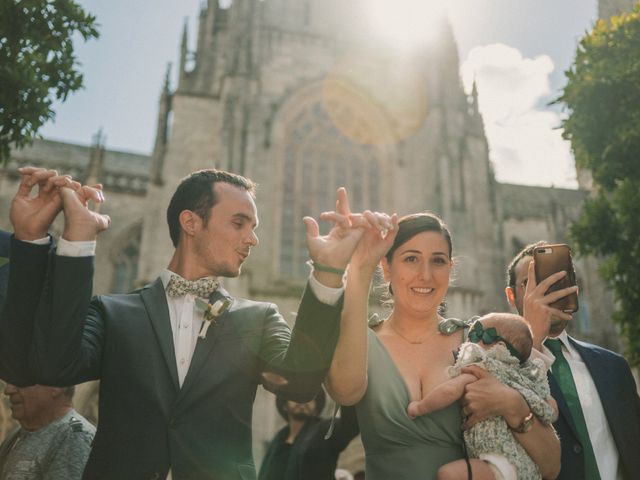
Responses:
[599,421]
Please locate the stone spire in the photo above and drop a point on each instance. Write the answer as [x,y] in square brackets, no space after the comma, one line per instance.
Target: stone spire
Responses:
[162,130]
[95,167]
[184,52]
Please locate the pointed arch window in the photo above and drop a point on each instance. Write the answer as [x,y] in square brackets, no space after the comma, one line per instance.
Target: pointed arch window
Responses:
[125,257]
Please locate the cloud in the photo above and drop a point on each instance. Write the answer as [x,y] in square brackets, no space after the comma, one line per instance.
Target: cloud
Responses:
[525,141]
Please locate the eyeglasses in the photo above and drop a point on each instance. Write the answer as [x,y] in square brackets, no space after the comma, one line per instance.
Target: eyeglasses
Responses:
[490,336]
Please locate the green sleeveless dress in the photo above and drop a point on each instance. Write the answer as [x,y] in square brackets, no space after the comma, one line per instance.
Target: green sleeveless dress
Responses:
[397,447]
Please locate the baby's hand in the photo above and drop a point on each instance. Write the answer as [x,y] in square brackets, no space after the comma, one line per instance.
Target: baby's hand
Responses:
[415,410]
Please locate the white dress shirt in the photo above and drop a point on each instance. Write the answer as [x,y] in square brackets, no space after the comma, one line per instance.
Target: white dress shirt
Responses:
[604,447]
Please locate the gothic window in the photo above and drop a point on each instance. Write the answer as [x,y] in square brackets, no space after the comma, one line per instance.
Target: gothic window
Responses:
[125,261]
[317,158]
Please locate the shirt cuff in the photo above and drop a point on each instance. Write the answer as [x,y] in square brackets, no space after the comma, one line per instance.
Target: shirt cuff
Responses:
[325,294]
[40,241]
[76,249]
[545,355]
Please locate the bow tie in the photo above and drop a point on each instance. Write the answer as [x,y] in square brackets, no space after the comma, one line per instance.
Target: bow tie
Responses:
[204,287]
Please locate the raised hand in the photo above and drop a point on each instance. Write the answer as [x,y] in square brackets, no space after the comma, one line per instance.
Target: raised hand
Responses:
[334,249]
[536,307]
[380,232]
[31,215]
[81,223]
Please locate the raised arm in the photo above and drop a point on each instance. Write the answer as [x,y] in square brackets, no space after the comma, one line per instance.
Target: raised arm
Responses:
[296,369]
[347,379]
[487,397]
[33,209]
[69,331]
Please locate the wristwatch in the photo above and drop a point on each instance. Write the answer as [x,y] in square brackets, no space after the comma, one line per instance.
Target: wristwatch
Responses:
[526,424]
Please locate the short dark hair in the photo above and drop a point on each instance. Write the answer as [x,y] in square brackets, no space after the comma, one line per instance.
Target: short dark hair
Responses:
[525,252]
[320,399]
[196,193]
[411,225]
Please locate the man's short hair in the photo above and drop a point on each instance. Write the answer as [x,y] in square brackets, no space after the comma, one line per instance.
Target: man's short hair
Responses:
[320,399]
[196,193]
[525,252]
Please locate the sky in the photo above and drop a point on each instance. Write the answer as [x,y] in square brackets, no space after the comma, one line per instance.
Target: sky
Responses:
[516,50]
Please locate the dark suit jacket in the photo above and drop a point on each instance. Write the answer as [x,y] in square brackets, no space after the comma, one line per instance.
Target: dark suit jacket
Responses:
[17,318]
[618,394]
[4,270]
[313,457]
[149,424]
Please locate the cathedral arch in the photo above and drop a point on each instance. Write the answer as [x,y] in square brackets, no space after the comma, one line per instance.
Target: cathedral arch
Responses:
[125,255]
[326,135]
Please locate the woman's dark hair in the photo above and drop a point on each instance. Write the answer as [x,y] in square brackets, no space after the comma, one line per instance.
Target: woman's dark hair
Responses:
[411,225]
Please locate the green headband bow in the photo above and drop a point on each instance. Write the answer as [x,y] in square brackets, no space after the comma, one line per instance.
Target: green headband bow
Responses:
[490,336]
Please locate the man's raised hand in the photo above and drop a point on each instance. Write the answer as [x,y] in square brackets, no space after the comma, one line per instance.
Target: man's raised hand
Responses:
[32,215]
[81,223]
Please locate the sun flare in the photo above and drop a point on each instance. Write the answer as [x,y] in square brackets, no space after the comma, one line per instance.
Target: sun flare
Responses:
[406,24]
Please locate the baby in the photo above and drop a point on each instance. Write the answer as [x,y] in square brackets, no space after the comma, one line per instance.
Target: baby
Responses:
[501,344]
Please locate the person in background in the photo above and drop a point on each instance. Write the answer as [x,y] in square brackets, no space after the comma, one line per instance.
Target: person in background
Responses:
[53,441]
[300,451]
[597,396]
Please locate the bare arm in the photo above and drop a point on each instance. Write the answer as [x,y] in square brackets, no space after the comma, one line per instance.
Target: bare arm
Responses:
[488,398]
[347,379]
[441,396]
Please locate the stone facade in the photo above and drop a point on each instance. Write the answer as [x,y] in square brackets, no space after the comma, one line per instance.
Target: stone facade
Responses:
[297,96]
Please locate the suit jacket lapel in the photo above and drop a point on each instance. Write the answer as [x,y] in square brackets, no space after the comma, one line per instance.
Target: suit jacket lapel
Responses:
[155,301]
[600,376]
[204,345]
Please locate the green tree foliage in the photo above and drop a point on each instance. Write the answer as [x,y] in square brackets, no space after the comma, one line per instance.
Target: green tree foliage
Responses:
[37,63]
[603,99]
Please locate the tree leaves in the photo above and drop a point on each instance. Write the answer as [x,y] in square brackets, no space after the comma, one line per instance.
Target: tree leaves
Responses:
[37,64]
[603,98]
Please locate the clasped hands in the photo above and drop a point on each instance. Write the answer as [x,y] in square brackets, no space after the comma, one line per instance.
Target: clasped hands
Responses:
[32,213]
[355,238]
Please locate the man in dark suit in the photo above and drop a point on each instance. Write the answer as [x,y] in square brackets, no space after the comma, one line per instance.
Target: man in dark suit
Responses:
[300,450]
[179,373]
[599,407]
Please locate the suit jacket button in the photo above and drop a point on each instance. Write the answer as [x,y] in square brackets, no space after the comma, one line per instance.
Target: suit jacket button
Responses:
[577,448]
[154,476]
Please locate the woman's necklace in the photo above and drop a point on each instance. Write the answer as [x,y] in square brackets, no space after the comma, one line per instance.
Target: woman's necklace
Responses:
[412,342]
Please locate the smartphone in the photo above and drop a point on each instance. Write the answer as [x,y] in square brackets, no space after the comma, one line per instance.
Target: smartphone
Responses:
[550,259]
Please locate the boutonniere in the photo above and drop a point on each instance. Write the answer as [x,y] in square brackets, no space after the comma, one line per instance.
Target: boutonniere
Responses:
[211,312]
[3,260]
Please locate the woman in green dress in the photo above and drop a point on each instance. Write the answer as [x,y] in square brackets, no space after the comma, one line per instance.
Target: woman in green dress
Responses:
[383,368]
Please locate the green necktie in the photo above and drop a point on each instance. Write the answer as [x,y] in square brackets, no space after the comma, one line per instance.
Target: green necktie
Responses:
[563,376]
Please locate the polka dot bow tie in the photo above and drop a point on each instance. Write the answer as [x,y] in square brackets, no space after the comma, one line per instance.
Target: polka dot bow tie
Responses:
[204,287]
